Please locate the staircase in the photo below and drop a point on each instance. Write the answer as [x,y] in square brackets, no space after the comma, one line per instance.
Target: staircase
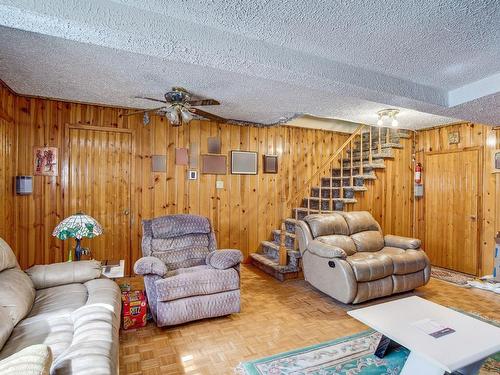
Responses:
[339,183]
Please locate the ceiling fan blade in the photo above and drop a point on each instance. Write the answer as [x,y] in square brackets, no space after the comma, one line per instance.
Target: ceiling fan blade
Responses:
[148,98]
[141,112]
[207,115]
[201,102]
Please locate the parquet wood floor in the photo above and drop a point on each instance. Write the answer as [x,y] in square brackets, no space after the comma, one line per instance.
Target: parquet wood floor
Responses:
[275,317]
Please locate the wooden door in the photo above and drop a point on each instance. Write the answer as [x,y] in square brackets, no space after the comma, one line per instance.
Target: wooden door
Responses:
[99,184]
[452,194]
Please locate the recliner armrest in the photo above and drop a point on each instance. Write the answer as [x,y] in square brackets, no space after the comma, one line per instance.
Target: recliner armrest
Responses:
[49,275]
[225,258]
[323,250]
[402,242]
[150,265]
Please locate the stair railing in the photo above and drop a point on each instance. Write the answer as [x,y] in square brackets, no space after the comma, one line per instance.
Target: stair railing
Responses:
[328,166]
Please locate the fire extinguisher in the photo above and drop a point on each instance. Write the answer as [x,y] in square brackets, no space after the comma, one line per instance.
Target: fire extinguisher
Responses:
[418,173]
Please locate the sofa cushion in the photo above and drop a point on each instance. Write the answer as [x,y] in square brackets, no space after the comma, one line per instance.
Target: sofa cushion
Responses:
[368,241]
[16,293]
[360,221]
[344,242]
[204,281]
[324,225]
[370,266]
[57,301]
[7,256]
[406,261]
[374,289]
[6,326]
[34,360]
[179,225]
[50,275]
[56,331]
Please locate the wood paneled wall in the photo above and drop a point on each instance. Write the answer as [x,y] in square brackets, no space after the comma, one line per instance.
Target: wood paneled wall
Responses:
[471,135]
[390,197]
[243,213]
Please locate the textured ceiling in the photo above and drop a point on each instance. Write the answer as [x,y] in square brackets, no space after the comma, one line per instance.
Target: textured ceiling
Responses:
[264,60]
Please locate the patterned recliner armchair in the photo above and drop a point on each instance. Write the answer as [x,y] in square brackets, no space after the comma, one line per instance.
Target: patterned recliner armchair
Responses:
[186,277]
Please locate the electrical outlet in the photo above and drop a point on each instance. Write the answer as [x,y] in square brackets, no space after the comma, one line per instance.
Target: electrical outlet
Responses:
[219,184]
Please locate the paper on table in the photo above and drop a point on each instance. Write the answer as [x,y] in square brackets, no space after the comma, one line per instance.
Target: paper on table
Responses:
[432,328]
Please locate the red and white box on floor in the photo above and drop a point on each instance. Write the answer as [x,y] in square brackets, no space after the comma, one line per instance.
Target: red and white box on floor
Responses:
[134,309]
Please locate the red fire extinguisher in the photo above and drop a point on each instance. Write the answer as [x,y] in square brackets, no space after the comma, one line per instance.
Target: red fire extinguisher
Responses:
[418,173]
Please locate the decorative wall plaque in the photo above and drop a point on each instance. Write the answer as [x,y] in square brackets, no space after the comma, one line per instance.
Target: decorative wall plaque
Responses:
[45,161]
[454,138]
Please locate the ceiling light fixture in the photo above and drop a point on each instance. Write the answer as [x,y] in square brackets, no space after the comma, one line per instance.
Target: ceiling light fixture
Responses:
[390,113]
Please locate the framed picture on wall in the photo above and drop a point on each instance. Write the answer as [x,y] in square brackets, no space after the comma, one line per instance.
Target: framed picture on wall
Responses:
[45,161]
[495,161]
[243,162]
[270,164]
[213,164]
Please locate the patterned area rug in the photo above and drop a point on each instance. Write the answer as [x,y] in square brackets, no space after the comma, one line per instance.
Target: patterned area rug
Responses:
[450,276]
[345,356]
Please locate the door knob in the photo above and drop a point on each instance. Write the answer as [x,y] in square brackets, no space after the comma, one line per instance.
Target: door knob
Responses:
[126,212]
[473,217]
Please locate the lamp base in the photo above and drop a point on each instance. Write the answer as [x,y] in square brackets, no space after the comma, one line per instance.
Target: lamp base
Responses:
[78,250]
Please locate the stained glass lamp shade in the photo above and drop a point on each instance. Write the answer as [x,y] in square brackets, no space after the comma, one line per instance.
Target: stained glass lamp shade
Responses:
[78,226]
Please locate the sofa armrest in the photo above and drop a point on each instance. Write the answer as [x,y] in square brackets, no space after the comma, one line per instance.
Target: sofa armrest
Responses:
[323,250]
[150,265]
[49,275]
[303,235]
[224,258]
[33,360]
[402,242]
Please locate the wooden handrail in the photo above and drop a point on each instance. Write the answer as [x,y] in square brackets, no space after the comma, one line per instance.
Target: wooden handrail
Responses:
[306,189]
[321,170]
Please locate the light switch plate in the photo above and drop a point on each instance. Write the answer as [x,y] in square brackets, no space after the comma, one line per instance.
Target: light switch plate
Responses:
[192,175]
[219,184]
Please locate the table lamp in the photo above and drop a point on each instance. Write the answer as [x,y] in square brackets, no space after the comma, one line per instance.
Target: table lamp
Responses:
[77,226]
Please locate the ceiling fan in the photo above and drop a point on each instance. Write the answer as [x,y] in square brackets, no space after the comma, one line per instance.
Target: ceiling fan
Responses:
[179,107]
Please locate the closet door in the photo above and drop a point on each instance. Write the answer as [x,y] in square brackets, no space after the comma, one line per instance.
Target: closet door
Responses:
[99,184]
[452,193]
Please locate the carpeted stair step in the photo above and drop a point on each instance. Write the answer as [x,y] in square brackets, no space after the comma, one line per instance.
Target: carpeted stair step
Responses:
[342,181]
[386,153]
[272,250]
[368,173]
[271,266]
[290,225]
[302,212]
[334,192]
[289,239]
[375,164]
[374,147]
[327,203]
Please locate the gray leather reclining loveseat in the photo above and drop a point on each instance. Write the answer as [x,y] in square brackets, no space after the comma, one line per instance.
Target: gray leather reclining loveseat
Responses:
[346,256]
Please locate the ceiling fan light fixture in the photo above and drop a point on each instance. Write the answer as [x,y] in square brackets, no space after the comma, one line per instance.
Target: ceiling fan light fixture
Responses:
[380,122]
[186,115]
[173,117]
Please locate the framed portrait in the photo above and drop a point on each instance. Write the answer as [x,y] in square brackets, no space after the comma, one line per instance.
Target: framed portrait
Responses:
[495,161]
[213,164]
[270,164]
[454,138]
[46,161]
[243,162]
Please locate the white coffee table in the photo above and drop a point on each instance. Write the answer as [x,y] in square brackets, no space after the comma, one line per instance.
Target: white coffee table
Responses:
[463,350]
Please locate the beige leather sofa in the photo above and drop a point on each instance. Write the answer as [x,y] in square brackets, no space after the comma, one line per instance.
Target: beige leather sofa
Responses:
[60,318]
[346,256]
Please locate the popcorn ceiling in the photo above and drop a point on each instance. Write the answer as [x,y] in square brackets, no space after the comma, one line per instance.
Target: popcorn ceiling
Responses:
[264,60]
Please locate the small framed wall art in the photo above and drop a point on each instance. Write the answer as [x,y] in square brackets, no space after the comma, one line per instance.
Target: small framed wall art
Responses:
[45,161]
[270,164]
[213,164]
[243,162]
[495,161]
[454,138]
